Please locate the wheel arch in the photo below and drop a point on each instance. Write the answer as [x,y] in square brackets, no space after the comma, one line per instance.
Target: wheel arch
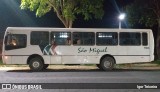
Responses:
[107,55]
[33,56]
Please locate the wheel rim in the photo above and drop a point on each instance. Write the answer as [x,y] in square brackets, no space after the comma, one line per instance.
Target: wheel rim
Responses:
[36,64]
[107,63]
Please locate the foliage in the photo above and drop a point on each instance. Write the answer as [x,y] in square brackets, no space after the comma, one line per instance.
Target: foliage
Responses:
[139,12]
[146,13]
[157,61]
[1,62]
[66,10]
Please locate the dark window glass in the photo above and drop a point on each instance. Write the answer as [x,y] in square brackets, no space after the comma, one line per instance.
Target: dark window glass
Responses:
[15,41]
[39,38]
[61,38]
[130,38]
[83,38]
[107,38]
[144,39]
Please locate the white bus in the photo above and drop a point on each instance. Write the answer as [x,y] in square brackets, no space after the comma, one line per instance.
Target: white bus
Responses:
[39,47]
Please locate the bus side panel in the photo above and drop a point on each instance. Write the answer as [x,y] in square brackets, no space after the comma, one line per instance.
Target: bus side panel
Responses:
[80,59]
[55,59]
[25,59]
[18,60]
[15,60]
[46,59]
[79,54]
[73,59]
[7,59]
[93,59]
[151,44]
[131,59]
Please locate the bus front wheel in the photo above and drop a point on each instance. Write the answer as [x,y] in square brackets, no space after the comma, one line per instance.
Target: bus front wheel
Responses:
[107,63]
[36,64]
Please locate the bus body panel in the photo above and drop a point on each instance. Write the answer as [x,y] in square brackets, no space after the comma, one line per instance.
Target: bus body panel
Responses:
[47,59]
[151,46]
[79,54]
[131,59]
[19,55]
[7,59]
[56,59]
[82,55]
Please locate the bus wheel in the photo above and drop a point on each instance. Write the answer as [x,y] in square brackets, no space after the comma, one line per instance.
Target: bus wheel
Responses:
[99,66]
[45,66]
[36,64]
[107,63]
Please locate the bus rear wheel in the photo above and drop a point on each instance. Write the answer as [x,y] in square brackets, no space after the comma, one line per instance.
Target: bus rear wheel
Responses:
[36,64]
[107,63]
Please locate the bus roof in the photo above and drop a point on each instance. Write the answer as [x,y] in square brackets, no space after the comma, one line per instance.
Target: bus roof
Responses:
[75,29]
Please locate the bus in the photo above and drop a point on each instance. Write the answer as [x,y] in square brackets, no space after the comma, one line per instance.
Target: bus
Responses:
[39,47]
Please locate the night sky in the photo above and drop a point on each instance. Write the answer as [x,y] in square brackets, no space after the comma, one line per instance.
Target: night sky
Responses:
[12,16]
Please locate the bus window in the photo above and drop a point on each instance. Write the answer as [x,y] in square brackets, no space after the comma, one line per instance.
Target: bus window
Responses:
[61,38]
[130,38]
[83,38]
[107,38]
[145,39]
[39,38]
[15,41]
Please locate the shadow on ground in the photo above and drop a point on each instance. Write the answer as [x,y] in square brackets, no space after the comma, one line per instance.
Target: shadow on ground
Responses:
[81,70]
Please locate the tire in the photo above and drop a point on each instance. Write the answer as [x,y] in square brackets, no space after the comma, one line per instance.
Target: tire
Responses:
[45,66]
[107,63]
[98,65]
[36,64]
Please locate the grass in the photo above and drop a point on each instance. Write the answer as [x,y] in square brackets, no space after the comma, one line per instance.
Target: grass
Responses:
[1,63]
[157,62]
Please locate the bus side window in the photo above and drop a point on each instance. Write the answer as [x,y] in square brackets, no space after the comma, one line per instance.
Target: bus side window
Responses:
[145,39]
[68,41]
[77,42]
[61,38]
[130,38]
[107,38]
[15,41]
[39,38]
[83,38]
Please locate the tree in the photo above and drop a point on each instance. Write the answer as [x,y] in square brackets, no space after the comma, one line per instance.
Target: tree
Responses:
[66,10]
[146,12]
